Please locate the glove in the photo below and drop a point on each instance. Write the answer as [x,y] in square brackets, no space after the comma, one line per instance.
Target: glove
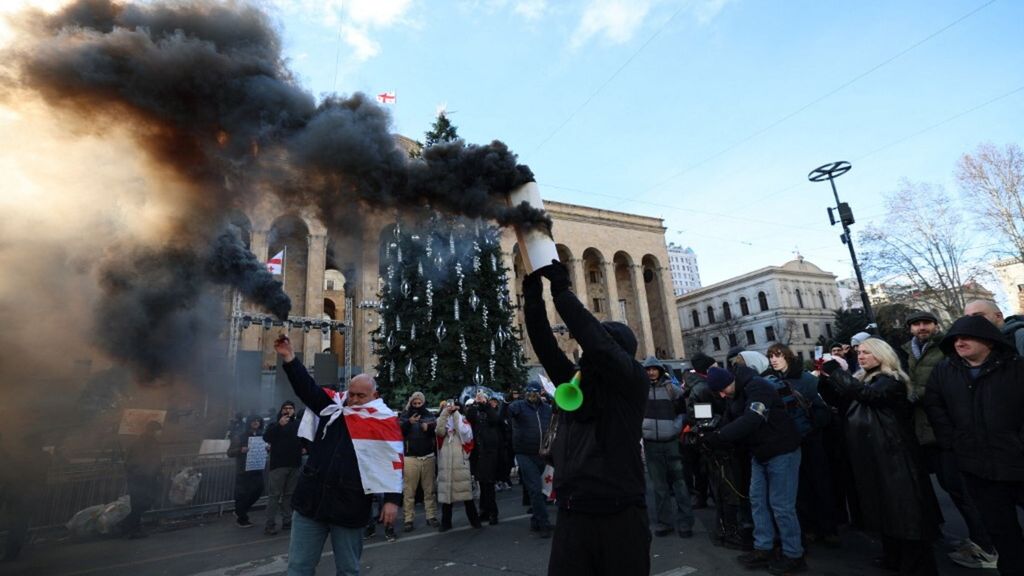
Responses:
[558,275]
[532,286]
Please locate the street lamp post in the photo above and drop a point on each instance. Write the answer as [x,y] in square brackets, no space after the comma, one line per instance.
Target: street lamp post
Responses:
[830,172]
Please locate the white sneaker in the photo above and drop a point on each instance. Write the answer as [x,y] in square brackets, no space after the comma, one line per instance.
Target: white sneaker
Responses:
[970,555]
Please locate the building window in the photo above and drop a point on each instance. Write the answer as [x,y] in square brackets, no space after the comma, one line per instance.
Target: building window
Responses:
[807,331]
[769,333]
[597,305]
[696,318]
[800,356]
[330,284]
[750,337]
[828,329]
[762,300]
[716,344]
[622,309]
[733,341]
[711,315]
[726,311]
[799,298]
[593,276]
[744,308]
[821,298]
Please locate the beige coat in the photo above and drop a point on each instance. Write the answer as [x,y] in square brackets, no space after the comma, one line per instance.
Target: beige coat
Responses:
[454,483]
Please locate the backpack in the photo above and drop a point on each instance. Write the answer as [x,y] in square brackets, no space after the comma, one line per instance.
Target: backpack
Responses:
[798,408]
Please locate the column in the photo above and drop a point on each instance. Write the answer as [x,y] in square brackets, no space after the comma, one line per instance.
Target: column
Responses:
[316,263]
[675,331]
[579,278]
[646,336]
[612,290]
[366,288]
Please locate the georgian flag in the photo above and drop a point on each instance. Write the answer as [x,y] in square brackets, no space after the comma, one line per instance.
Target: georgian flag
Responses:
[276,264]
[376,438]
[386,97]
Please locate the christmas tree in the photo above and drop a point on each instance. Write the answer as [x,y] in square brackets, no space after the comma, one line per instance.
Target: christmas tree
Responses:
[446,316]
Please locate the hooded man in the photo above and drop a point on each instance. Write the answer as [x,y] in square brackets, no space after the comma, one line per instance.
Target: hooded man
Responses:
[602,526]
[757,418]
[282,436]
[975,402]
[418,426]
[248,483]
[530,419]
[663,426]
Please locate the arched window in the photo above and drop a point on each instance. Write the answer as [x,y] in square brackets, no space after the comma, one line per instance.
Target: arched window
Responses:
[726,311]
[696,318]
[762,300]
[711,315]
[821,298]
[744,308]
[799,298]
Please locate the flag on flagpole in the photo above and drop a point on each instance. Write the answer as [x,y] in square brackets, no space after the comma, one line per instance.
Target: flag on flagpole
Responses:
[386,97]
[276,264]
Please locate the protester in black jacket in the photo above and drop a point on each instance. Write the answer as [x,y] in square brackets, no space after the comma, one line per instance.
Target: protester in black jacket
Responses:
[329,498]
[758,419]
[488,436]
[248,483]
[282,436]
[975,403]
[894,492]
[418,426]
[602,525]
[530,419]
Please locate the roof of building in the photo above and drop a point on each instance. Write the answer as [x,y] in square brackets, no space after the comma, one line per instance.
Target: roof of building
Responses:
[799,265]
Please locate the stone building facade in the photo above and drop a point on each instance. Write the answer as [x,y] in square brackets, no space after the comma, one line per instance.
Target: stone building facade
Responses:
[1010,272]
[617,262]
[792,304]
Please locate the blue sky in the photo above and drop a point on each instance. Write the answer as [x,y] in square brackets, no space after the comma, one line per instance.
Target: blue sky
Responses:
[707,113]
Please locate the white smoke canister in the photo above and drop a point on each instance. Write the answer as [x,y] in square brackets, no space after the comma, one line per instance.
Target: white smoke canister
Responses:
[536,244]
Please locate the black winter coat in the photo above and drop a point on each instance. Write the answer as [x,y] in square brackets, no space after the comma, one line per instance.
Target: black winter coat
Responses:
[529,424]
[418,442]
[239,441]
[981,419]
[329,488]
[285,446]
[488,436]
[894,492]
[757,418]
[596,450]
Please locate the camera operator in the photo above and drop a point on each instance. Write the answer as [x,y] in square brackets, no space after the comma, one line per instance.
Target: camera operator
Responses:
[757,418]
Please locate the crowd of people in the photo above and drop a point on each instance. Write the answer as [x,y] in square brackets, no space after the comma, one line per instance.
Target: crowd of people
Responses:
[786,453]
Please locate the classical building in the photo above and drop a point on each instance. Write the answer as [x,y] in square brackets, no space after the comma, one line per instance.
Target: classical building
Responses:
[792,304]
[682,263]
[1011,275]
[617,262]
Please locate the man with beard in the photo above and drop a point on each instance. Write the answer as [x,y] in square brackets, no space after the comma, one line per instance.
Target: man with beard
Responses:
[602,526]
[282,436]
[530,419]
[420,460]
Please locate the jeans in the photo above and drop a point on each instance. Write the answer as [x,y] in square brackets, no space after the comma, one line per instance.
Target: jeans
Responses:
[307,544]
[248,489]
[282,486]
[531,470]
[665,468]
[773,488]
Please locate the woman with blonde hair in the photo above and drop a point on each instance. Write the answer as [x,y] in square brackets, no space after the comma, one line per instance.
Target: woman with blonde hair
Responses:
[894,492]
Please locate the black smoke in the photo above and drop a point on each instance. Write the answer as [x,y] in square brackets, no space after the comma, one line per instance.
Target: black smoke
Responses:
[205,90]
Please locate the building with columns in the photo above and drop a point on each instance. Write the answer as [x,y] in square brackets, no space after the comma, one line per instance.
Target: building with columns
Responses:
[792,304]
[618,264]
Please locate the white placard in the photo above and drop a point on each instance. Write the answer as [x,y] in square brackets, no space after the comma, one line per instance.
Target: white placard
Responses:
[702,411]
[256,457]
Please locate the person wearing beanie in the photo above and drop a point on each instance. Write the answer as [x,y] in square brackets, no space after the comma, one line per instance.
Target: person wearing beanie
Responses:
[282,438]
[485,417]
[975,403]
[418,431]
[732,353]
[530,418]
[600,481]
[248,483]
[757,418]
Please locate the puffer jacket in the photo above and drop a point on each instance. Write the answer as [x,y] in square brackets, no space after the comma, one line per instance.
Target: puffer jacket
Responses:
[757,418]
[920,370]
[454,482]
[529,424]
[981,418]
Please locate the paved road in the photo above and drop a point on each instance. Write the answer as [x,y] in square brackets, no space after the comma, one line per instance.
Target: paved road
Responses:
[215,547]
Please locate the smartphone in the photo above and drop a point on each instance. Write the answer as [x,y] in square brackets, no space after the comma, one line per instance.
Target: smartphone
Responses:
[818,351]
[702,411]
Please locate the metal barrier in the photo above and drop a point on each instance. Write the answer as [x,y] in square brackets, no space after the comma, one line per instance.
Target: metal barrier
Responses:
[73,487]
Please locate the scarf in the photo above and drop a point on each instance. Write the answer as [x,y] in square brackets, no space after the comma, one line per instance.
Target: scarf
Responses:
[376,438]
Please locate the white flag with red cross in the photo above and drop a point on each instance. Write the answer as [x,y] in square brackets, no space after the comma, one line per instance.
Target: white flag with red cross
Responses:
[276,264]
[386,97]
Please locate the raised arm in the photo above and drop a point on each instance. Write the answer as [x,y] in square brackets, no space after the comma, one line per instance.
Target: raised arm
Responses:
[558,367]
[302,383]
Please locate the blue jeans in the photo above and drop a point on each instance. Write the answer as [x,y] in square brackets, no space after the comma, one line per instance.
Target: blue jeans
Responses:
[773,488]
[531,468]
[307,544]
[665,468]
